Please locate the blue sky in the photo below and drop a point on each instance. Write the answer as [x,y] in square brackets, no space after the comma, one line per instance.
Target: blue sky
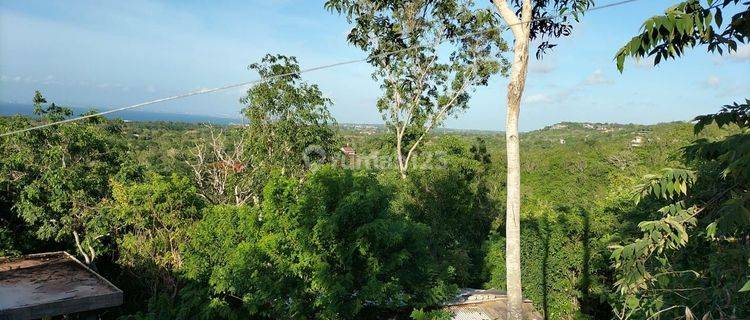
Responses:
[114,53]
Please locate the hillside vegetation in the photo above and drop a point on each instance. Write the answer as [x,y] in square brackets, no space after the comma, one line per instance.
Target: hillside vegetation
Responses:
[166,211]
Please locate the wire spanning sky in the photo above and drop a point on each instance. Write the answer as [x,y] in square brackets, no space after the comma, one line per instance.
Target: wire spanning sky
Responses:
[110,54]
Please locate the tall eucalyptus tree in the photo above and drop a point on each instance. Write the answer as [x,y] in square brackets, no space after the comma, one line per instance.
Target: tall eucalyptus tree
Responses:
[528,21]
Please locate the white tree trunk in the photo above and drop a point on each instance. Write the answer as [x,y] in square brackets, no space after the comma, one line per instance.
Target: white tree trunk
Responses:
[520,27]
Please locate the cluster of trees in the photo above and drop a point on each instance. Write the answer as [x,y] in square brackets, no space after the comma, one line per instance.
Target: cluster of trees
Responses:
[250,225]
[255,221]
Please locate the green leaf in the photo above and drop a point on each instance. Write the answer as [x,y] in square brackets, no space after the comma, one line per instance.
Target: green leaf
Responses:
[620,61]
[632,302]
[746,287]
[711,230]
[717,17]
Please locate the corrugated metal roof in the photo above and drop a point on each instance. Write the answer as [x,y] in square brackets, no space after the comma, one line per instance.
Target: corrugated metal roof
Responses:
[475,304]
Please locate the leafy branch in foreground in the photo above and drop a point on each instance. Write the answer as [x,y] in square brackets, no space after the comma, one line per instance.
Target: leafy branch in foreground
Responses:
[686,25]
[697,252]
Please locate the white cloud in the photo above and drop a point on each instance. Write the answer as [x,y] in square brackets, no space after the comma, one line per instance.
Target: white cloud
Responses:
[742,53]
[537,66]
[596,78]
[713,81]
[645,63]
[538,98]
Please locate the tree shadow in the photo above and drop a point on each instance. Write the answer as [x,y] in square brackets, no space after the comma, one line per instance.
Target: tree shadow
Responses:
[586,300]
[546,235]
[591,303]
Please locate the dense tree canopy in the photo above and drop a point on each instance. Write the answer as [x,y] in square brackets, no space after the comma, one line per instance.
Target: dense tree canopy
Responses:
[257,221]
[56,177]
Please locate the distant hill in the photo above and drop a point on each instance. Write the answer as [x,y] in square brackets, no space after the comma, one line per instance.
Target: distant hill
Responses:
[9,109]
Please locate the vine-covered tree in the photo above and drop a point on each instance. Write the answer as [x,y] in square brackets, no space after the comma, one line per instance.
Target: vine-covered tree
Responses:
[428,57]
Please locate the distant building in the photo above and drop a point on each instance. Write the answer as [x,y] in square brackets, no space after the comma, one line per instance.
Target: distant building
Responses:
[228,165]
[348,151]
[485,304]
[636,142]
[350,155]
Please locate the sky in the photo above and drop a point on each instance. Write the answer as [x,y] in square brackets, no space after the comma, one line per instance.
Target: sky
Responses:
[109,54]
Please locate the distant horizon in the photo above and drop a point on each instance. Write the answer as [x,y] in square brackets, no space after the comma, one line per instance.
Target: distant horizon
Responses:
[120,54]
[140,115]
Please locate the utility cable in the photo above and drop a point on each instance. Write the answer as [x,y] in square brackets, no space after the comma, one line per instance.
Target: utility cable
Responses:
[246,83]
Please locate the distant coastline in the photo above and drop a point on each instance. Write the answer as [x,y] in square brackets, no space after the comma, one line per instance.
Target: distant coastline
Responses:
[9,109]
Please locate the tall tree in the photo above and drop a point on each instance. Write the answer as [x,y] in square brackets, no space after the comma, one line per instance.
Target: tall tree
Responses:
[428,56]
[62,175]
[289,122]
[528,21]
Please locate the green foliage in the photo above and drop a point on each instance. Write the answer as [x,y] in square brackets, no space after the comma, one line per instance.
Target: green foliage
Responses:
[426,61]
[57,177]
[577,201]
[704,213]
[153,217]
[340,244]
[289,123]
[686,25]
[420,314]
[327,248]
[732,114]
[563,255]
[670,184]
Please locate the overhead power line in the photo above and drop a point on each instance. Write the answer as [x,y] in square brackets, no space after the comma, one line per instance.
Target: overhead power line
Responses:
[247,83]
